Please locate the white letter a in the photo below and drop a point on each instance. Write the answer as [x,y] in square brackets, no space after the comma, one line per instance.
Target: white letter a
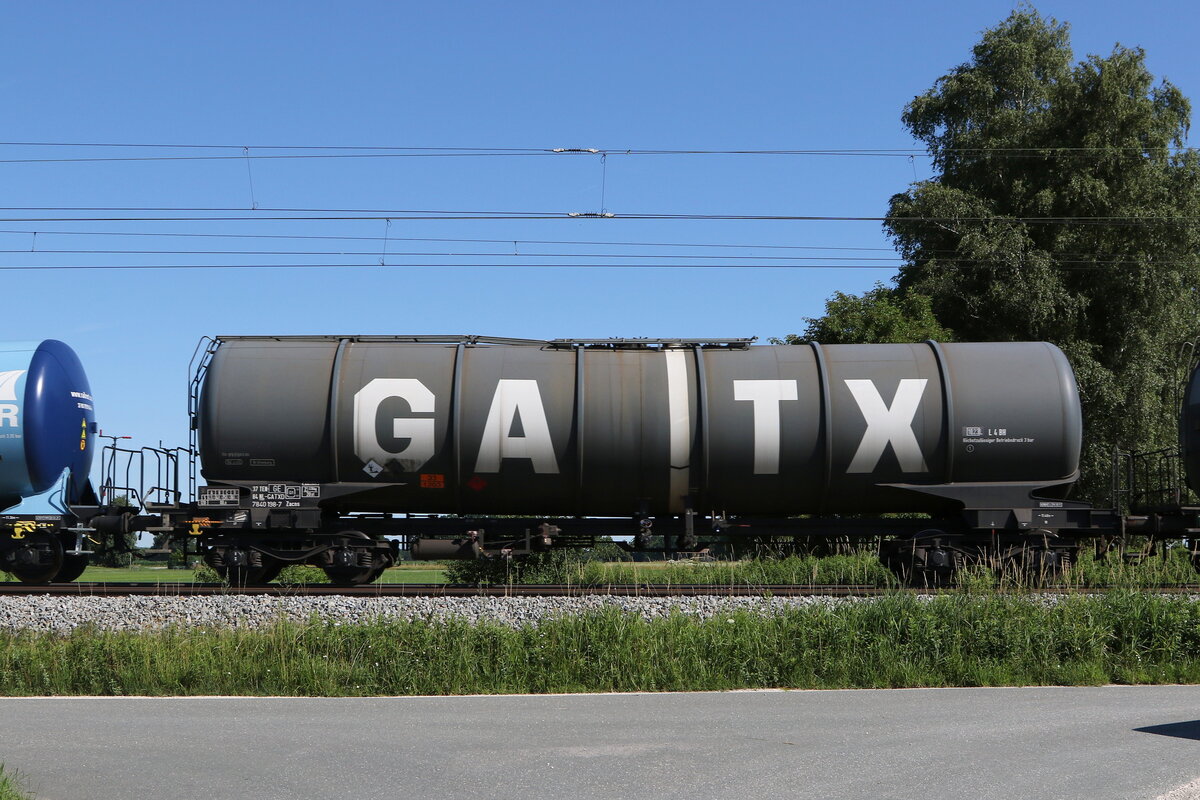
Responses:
[515,397]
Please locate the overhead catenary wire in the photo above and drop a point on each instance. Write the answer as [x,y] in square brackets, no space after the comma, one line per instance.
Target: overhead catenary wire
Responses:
[402,151]
[476,240]
[376,265]
[348,214]
[131,215]
[258,157]
[1069,267]
[431,254]
[437,239]
[1056,259]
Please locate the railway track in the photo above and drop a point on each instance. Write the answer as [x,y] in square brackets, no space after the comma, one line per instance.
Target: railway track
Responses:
[429,590]
[451,590]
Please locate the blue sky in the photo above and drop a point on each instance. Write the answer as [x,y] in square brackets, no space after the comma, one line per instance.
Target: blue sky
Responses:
[614,76]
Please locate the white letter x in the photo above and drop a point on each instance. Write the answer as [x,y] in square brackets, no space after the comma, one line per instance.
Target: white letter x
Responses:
[888,425]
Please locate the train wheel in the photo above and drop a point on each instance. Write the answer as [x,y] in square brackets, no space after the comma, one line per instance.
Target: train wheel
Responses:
[72,567]
[346,567]
[38,561]
[242,572]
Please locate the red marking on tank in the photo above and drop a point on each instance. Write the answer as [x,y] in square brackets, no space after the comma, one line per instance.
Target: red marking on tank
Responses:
[477,483]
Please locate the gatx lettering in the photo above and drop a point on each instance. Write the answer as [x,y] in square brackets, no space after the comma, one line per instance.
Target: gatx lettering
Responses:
[516,425]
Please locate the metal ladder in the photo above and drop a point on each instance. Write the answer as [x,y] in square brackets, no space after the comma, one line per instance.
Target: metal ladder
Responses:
[197,369]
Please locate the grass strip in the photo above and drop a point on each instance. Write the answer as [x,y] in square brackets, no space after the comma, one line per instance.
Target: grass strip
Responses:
[10,786]
[895,641]
[577,569]
[1172,567]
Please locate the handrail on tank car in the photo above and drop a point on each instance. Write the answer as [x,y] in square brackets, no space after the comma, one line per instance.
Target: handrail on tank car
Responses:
[163,491]
[621,344]
[166,489]
[1153,480]
[615,342]
[1122,481]
[1150,481]
[416,339]
[110,491]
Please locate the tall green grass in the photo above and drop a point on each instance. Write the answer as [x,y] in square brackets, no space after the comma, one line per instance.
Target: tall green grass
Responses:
[1089,571]
[10,786]
[1170,568]
[577,569]
[956,639]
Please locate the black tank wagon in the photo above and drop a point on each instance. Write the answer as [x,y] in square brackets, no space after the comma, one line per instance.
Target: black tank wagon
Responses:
[578,429]
[313,448]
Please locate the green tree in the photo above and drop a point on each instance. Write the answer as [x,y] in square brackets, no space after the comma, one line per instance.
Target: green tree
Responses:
[879,315]
[1063,208]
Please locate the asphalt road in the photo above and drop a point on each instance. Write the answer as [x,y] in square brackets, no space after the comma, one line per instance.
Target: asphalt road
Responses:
[1094,743]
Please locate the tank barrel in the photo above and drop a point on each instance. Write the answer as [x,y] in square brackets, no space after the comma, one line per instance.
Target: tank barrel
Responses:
[593,428]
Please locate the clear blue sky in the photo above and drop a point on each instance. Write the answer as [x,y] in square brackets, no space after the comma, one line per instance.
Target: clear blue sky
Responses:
[614,76]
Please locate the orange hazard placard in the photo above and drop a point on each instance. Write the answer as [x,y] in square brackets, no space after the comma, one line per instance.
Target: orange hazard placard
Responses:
[433,480]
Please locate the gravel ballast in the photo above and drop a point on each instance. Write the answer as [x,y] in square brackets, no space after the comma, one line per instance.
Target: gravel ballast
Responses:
[63,614]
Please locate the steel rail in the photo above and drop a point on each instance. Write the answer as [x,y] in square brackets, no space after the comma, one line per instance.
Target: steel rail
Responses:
[545,590]
[428,590]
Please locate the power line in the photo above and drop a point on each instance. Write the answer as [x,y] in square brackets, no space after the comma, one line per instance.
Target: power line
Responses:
[376,265]
[514,242]
[903,152]
[266,208]
[344,215]
[426,254]
[276,147]
[500,214]
[430,239]
[1056,260]
[254,157]
[1068,266]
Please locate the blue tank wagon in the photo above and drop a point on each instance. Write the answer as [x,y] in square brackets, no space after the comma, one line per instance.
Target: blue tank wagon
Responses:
[47,438]
[49,512]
